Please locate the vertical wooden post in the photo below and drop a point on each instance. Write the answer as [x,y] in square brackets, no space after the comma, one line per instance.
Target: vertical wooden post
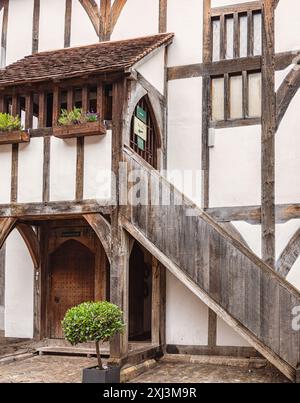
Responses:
[70,99]
[56,105]
[28,111]
[206,110]
[100,273]
[4,32]
[85,99]
[268,134]
[119,271]
[105,20]
[68,20]
[15,156]
[36,26]
[2,104]
[206,102]
[100,101]
[46,161]
[155,316]
[163,8]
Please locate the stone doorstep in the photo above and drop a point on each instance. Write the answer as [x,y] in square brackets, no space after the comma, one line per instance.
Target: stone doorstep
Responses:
[128,373]
[250,363]
[9,359]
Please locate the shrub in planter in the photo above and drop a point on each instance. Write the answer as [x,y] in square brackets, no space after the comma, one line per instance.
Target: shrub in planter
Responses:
[97,322]
[9,123]
[76,117]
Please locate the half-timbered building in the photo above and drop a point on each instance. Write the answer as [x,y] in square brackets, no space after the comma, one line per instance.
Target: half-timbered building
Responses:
[196,104]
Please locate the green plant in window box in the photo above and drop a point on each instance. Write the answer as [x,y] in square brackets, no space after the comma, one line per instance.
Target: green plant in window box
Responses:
[76,117]
[9,123]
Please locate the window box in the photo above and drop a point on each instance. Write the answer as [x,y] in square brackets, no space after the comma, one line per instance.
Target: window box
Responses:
[14,137]
[79,130]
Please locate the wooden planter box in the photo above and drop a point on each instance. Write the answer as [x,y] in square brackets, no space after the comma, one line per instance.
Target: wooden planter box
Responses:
[80,130]
[15,137]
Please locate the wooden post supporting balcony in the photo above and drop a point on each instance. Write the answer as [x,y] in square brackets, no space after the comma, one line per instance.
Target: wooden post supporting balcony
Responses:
[100,101]
[56,106]
[28,111]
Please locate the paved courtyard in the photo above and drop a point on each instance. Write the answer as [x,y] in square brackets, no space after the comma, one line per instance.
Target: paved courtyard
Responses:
[58,369]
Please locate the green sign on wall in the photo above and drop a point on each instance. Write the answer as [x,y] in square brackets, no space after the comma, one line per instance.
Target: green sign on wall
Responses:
[141,114]
[140,143]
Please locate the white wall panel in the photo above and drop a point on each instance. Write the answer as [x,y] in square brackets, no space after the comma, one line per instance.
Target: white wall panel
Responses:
[235,163]
[19,276]
[19,34]
[184,132]
[97,167]
[5,173]
[30,171]
[185,19]
[62,169]
[82,30]
[52,24]
[153,70]
[187,316]
[138,18]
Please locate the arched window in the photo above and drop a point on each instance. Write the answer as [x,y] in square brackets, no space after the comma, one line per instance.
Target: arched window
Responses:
[143,139]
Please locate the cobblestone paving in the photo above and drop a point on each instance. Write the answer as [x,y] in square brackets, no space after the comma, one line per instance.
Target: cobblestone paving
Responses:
[46,369]
[193,373]
[58,369]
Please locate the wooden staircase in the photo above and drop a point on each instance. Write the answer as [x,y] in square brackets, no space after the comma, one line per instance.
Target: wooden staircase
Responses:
[227,276]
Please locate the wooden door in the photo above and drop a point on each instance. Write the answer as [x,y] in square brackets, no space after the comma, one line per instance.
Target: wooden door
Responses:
[72,269]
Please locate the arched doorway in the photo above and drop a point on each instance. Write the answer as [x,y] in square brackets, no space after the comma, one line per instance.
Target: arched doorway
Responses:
[140,294]
[72,281]
[144,138]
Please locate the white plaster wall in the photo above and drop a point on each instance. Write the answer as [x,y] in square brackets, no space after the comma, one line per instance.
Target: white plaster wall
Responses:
[19,33]
[5,173]
[251,234]
[30,171]
[294,275]
[184,134]
[287,27]
[19,277]
[153,70]
[138,18]
[62,169]
[235,164]
[82,30]
[288,156]
[97,167]
[52,24]
[185,19]
[186,315]
[228,337]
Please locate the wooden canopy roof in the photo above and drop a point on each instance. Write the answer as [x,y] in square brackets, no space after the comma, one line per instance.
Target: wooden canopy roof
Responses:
[104,57]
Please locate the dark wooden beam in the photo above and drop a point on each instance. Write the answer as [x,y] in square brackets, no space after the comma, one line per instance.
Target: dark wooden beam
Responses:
[5,4]
[286,93]
[102,229]
[58,209]
[163,15]
[282,61]
[31,240]
[207,55]
[6,226]
[268,134]
[68,23]
[116,10]
[36,26]
[105,20]
[252,214]
[289,255]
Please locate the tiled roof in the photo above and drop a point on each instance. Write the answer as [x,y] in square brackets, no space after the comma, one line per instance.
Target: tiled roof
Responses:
[108,57]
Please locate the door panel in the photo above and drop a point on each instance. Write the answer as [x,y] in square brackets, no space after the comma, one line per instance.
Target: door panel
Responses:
[72,268]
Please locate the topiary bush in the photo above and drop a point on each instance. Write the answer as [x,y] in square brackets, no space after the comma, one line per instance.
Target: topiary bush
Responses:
[93,321]
[9,123]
